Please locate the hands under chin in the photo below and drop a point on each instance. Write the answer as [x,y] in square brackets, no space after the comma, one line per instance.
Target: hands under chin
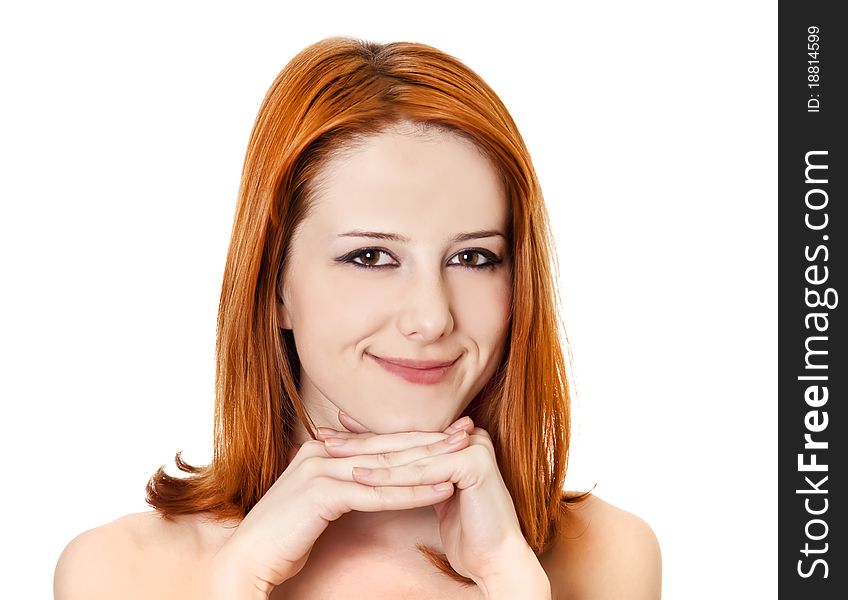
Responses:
[478,525]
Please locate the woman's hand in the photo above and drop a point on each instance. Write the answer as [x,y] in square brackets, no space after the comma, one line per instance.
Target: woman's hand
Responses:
[478,525]
[272,543]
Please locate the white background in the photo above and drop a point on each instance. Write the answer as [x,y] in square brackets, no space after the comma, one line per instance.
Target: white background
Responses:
[653,129]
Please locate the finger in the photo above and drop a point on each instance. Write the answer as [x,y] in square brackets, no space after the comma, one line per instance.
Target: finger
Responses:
[466,468]
[461,423]
[323,433]
[341,468]
[309,449]
[382,444]
[422,472]
[481,432]
[351,423]
[408,475]
[388,460]
[355,496]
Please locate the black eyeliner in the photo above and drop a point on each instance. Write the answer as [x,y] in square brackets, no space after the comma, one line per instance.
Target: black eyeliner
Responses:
[492,259]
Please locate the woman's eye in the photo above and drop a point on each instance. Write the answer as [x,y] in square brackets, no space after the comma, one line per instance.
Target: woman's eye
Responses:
[369,256]
[477,259]
[473,258]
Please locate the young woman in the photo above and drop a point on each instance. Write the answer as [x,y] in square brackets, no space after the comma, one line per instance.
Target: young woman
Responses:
[392,410]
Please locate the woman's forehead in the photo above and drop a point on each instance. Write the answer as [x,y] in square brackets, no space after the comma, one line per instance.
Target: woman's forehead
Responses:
[424,180]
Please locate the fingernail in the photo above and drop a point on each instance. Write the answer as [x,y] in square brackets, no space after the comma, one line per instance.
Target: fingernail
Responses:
[361,472]
[328,432]
[346,417]
[459,423]
[457,437]
[334,441]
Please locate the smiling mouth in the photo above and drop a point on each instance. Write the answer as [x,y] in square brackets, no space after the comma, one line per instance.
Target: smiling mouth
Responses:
[416,364]
[417,374]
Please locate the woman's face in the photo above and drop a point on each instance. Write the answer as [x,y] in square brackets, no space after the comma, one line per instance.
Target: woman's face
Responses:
[422,295]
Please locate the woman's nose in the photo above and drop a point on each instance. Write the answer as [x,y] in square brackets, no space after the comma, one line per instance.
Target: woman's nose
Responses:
[426,311]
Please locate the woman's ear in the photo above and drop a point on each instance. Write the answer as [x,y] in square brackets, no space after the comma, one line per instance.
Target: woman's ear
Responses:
[283,317]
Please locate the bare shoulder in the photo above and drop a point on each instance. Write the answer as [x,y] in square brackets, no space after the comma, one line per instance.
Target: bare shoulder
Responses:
[604,552]
[127,558]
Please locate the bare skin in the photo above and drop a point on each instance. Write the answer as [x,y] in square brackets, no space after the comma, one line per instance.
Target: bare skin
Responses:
[604,552]
[427,298]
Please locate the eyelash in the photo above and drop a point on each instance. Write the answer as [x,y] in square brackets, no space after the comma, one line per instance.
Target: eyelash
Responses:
[492,259]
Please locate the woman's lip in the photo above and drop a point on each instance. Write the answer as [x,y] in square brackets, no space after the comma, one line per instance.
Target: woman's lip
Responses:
[416,364]
[414,375]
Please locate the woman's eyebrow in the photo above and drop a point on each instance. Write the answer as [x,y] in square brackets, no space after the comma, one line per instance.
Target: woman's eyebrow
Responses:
[459,237]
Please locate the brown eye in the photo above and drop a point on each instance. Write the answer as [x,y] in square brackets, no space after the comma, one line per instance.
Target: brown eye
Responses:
[465,260]
[366,258]
[476,259]
[369,257]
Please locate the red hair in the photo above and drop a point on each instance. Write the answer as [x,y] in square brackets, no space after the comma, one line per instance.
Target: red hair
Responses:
[330,96]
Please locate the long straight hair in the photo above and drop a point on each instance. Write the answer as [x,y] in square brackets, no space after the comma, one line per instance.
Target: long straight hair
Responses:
[329,97]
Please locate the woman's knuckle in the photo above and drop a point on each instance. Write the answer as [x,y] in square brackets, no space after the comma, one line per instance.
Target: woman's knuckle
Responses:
[385,459]
[420,471]
[478,452]
[312,447]
[311,466]
[482,432]
[379,496]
